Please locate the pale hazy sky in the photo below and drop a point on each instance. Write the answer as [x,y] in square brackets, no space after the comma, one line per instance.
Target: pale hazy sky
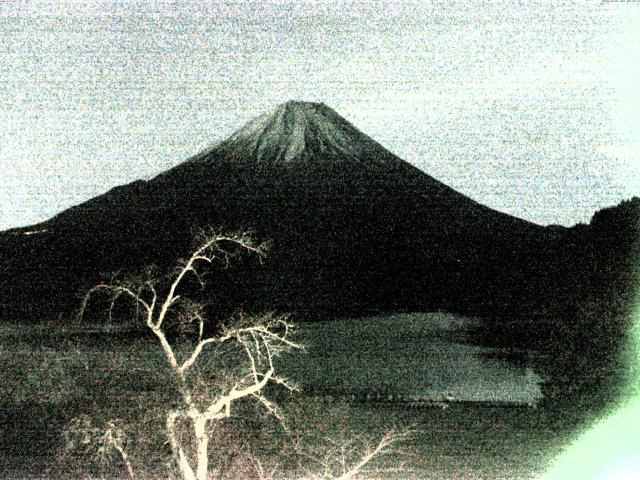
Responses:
[530,109]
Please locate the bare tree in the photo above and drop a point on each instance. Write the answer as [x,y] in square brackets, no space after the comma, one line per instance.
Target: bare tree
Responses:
[347,460]
[259,340]
[102,442]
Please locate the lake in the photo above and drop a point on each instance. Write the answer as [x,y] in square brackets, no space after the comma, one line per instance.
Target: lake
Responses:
[409,356]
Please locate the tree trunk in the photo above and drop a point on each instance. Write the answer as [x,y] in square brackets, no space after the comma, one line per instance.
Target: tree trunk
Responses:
[183,464]
[202,439]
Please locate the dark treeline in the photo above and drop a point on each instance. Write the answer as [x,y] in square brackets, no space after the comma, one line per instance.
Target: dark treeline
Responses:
[582,320]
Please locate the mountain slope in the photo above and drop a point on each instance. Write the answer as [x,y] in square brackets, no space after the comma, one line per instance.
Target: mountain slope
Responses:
[353,227]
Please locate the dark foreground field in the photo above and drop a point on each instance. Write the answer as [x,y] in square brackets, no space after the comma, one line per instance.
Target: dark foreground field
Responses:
[52,375]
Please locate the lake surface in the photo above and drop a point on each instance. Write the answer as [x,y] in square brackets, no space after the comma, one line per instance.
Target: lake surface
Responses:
[416,356]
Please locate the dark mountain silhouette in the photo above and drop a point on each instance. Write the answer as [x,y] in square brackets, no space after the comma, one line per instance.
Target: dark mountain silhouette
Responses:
[353,229]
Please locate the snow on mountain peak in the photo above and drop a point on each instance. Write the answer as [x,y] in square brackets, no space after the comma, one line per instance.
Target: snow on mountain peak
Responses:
[295,129]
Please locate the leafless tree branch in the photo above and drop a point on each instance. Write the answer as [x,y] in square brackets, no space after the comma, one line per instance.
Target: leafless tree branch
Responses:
[261,339]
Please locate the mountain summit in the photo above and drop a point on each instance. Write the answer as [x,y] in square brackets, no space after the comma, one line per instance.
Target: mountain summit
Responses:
[295,130]
[303,133]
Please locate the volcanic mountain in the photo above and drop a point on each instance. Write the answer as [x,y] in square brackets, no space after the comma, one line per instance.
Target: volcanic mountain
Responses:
[352,227]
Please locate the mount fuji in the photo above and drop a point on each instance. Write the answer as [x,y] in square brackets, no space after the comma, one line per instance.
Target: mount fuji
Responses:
[353,228]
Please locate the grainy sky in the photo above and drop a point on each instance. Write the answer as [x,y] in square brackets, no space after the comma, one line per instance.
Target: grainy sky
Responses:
[530,109]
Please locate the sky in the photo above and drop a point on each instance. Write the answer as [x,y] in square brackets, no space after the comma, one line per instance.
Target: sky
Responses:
[529,108]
